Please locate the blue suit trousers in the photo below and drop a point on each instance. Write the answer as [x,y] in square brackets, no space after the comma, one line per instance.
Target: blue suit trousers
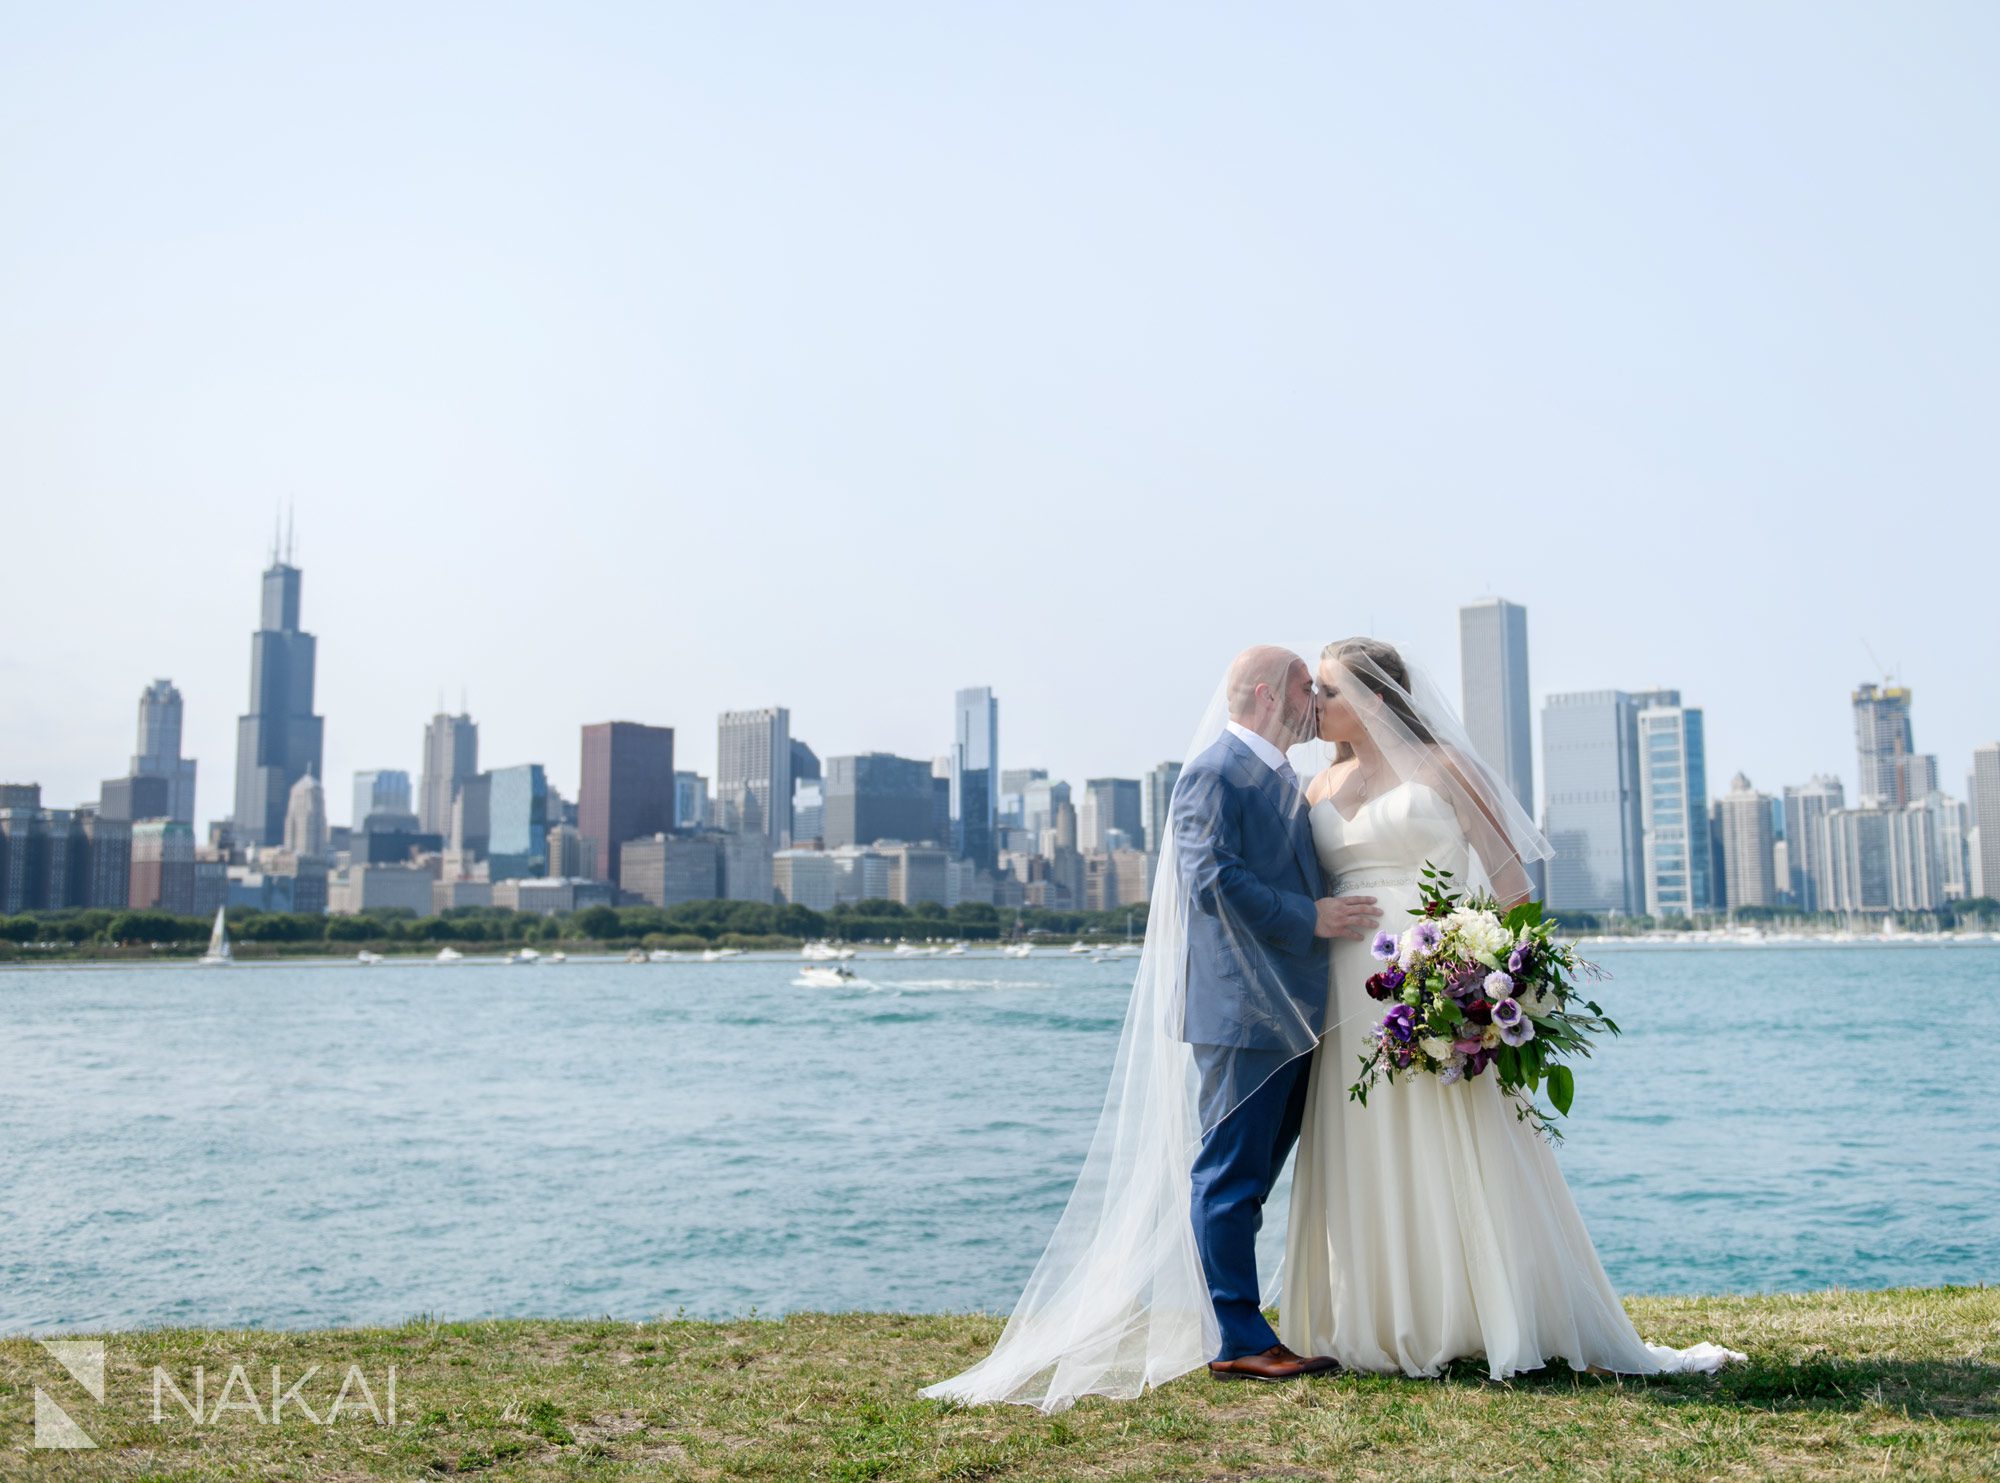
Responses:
[1238,1164]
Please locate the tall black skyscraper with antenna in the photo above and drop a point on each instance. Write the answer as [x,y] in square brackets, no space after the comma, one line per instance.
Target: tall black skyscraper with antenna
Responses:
[279,741]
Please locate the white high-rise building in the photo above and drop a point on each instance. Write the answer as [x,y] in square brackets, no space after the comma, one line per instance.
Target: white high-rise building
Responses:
[305,819]
[1806,808]
[1749,877]
[753,774]
[1673,807]
[1949,830]
[1985,808]
[1493,672]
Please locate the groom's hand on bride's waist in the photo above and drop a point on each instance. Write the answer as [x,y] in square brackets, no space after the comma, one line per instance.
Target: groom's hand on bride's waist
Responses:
[1346,916]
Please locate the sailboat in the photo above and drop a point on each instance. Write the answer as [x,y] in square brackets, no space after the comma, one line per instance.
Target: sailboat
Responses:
[218,954]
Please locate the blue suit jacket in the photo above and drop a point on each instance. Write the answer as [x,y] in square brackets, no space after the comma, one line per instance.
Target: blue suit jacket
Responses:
[1251,877]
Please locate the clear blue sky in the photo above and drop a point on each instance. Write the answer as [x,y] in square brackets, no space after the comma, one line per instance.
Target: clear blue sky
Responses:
[642,361]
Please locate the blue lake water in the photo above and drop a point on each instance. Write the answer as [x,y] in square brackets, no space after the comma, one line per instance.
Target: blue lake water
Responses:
[330,1144]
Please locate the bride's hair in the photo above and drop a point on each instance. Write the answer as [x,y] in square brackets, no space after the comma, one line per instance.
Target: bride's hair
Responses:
[1378,666]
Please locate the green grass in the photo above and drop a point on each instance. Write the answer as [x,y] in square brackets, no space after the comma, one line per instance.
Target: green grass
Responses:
[1840,1385]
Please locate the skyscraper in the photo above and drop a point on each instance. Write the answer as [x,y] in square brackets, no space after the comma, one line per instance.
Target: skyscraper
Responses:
[159,754]
[1806,808]
[305,819]
[1591,813]
[517,822]
[279,740]
[1673,769]
[975,775]
[1156,795]
[1014,782]
[1881,742]
[1748,878]
[1985,808]
[1493,668]
[1039,801]
[691,809]
[627,790]
[382,790]
[753,773]
[451,755]
[1111,804]
[877,796]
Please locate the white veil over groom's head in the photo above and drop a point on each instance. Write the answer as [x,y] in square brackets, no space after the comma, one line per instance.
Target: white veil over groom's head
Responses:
[1119,1301]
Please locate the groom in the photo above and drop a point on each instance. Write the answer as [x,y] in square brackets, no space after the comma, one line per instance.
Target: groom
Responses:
[1257,982]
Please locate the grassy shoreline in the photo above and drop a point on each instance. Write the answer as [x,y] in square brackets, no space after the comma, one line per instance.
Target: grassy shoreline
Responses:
[1903,1384]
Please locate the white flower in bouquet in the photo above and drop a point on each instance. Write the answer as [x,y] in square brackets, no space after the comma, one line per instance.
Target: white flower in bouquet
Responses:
[1434,1047]
[1486,939]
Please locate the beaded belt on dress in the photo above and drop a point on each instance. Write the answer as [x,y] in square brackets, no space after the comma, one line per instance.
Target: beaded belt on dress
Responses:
[1389,877]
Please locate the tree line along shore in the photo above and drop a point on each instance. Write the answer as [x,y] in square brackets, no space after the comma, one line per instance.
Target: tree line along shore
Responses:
[35,937]
[694,925]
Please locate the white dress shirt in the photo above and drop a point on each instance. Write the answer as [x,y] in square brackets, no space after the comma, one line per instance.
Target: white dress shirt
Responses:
[1266,753]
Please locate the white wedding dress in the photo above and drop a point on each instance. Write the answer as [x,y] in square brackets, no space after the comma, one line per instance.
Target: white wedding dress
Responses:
[1431,1224]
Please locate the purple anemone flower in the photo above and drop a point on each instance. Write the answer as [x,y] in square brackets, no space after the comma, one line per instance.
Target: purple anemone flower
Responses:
[1428,937]
[1384,947]
[1507,1013]
[1519,1033]
[1401,1022]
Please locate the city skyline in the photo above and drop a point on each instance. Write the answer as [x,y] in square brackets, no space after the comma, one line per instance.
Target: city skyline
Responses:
[537,338]
[282,582]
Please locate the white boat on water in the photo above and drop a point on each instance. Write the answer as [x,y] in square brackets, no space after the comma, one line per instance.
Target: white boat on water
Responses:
[637,955]
[1078,949]
[662,955]
[450,955]
[1018,950]
[906,950]
[819,976]
[525,955]
[558,957]
[365,958]
[218,954]
[717,954]
[956,950]
[823,952]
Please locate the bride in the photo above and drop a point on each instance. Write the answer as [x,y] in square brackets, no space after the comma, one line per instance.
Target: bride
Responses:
[1431,1223]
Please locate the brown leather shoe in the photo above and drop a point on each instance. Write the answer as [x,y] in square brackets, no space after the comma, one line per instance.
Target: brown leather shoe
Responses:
[1275,1364]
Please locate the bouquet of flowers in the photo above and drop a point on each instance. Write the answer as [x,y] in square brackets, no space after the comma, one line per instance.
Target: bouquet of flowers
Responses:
[1470,990]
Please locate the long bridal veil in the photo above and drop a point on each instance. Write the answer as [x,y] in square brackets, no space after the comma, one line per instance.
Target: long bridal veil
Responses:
[1118,1301]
